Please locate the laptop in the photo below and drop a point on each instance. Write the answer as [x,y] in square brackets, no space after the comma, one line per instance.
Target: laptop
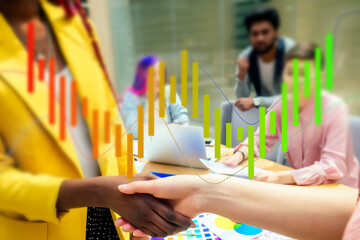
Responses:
[181,146]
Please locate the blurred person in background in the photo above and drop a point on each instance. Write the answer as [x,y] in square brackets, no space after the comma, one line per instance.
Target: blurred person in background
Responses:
[137,95]
[261,64]
[52,188]
[319,153]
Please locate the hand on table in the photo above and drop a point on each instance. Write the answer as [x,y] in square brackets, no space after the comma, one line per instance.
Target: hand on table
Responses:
[179,190]
[244,104]
[145,212]
[233,160]
[283,177]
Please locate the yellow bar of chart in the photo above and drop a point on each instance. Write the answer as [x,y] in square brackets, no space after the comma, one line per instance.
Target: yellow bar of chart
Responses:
[195,89]
[151,100]
[172,89]
[184,59]
[206,116]
[162,89]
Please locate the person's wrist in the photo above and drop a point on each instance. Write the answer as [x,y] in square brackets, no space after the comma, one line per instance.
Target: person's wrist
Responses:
[104,190]
[239,155]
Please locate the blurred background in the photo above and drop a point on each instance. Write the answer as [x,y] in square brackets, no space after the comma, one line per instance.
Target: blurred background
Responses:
[213,33]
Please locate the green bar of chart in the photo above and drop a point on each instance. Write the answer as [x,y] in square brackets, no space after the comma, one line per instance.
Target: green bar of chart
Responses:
[251,151]
[206,116]
[307,79]
[329,62]
[262,132]
[240,135]
[228,135]
[217,133]
[284,117]
[318,116]
[295,92]
[272,122]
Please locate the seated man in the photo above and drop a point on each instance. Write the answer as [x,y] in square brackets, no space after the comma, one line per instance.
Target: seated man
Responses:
[261,64]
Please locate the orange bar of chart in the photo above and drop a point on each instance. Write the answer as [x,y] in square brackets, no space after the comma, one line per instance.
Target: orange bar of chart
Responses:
[95,134]
[151,101]
[140,131]
[130,157]
[107,127]
[52,91]
[73,104]
[172,89]
[162,89]
[62,108]
[84,107]
[117,140]
[41,66]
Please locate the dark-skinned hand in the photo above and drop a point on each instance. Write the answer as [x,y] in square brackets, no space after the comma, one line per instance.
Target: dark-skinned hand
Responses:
[152,216]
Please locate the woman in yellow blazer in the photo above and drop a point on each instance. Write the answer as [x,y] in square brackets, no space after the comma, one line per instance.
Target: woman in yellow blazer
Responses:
[43,192]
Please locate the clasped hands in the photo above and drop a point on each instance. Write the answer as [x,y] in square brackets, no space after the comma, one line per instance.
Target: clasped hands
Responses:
[151,215]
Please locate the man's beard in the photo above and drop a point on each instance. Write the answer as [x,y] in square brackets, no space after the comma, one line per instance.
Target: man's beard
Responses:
[267,49]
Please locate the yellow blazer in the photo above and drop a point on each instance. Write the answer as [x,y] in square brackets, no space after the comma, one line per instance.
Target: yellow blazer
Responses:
[33,161]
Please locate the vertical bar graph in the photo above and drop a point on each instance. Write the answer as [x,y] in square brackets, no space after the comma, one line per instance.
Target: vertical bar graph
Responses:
[251,151]
[307,79]
[172,89]
[272,122]
[228,135]
[184,62]
[130,157]
[73,104]
[62,100]
[162,89]
[84,107]
[240,134]
[117,140]
[217,133]
[140,131]
[151,100]
[107,126]
[329,62]
[195,89]
[262,132]
[206,116]
[318,86]
[284,117]
[30,48]
[52,91]
[41,69]
[95,133]
[295,92]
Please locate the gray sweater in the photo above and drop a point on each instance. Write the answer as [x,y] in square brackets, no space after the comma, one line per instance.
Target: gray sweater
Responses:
[243,87]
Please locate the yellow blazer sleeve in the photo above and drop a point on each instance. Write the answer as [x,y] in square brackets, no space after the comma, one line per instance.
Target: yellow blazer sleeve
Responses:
[33,196]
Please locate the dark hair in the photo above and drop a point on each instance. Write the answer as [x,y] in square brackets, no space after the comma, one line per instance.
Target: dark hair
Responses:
[304,51]
[263,14]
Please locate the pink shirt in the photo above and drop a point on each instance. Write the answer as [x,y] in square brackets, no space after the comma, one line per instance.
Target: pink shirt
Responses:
[319,153]
[352,230]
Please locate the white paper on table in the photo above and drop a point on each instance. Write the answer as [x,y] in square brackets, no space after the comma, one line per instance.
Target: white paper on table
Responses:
[139,166]
[135,147]
[226,229]
[239,171]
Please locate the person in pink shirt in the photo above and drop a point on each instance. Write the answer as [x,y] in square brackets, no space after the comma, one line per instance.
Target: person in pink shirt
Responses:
[294,211]
[319,153]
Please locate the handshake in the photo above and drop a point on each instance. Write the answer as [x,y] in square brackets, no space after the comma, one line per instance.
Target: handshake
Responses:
[144,209]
